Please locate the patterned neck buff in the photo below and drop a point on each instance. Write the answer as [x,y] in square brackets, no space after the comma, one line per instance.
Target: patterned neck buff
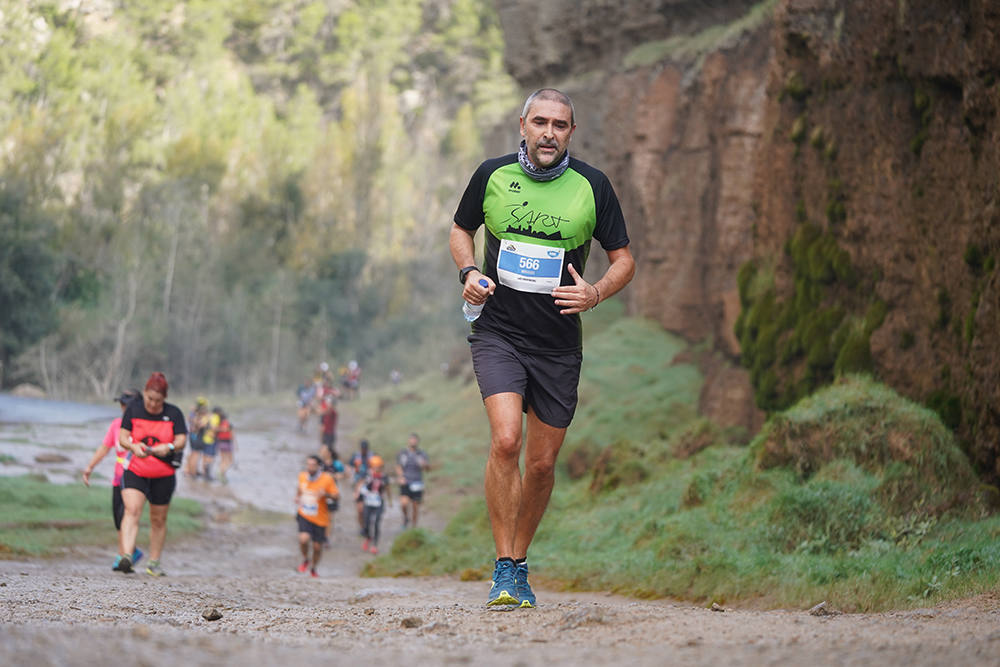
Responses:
[536,173]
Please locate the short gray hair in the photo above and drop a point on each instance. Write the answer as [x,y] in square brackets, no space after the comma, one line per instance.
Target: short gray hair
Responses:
[550,94]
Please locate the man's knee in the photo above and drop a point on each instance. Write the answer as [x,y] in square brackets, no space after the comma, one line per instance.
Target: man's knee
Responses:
[506,445]
[540,466]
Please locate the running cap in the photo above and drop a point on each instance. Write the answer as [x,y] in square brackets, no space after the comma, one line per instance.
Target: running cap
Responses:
[127,396]
[202,400]
[375,461]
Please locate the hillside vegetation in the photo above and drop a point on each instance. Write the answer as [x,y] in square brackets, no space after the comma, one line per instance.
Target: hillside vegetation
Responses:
[232,190]
[855,495]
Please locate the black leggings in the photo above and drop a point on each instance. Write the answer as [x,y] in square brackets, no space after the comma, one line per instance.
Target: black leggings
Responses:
[373,522]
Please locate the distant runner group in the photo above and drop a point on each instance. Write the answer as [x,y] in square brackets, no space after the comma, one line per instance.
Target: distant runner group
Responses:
[318,495]
[211,435]
[149,440]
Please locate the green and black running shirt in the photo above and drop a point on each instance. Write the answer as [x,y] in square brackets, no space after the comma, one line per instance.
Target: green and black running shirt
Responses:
[534,229]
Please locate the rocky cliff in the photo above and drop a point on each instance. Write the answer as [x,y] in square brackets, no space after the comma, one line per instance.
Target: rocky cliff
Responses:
[670,99]
[882,142]
[810,185]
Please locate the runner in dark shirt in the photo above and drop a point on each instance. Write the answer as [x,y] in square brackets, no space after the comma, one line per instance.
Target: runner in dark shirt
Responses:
[154,432]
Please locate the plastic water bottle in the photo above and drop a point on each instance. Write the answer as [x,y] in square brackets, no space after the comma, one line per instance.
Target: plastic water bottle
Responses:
[470,311]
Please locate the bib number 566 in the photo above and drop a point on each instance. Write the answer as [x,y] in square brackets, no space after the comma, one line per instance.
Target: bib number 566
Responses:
[529,263]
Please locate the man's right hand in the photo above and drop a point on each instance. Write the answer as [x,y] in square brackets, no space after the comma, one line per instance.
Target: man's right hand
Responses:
[475,293]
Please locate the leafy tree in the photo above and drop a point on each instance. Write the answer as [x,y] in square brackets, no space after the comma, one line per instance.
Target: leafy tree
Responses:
[27,273]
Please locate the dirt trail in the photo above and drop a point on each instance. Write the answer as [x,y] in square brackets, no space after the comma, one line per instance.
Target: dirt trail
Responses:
[76,611]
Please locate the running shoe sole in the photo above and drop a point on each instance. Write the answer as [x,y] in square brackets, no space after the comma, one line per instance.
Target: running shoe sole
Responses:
[503,599]
[124,564]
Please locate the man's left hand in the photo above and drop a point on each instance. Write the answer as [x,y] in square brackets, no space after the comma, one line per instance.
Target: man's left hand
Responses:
[576,298]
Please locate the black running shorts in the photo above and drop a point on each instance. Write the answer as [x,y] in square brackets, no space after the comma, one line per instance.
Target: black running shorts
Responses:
[117,506]
[415,496]
[158,490]
[316,532]
[546,382]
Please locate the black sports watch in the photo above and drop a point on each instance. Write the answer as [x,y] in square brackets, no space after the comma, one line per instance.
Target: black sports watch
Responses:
[463,273]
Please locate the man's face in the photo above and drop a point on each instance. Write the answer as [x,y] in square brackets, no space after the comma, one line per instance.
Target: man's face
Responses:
[546,130]
[412,442]
[312,466]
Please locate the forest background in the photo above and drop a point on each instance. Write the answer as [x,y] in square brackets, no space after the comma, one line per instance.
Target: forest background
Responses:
[234,191]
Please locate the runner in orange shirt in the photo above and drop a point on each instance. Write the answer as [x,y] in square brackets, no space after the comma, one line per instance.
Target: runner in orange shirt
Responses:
[315,486]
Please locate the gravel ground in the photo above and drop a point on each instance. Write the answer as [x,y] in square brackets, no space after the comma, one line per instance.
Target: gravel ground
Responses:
[75,611]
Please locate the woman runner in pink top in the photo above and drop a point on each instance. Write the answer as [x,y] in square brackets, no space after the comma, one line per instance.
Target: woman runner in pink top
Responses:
[121,462]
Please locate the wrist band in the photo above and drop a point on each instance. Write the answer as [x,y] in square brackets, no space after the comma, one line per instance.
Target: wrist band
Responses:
[598,297]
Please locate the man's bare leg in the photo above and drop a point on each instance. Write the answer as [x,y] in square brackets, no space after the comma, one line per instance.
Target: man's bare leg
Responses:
[503,475]
[542,447]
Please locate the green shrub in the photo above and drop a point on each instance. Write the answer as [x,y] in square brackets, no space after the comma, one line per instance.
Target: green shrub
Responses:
[855,356]
[904,445]
[948,406]
[821,517]
[699,488]
[816,137]
[798,132]
[618,465]
[795,86]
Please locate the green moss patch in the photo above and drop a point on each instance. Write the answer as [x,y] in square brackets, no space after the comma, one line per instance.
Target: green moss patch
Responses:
[795,343]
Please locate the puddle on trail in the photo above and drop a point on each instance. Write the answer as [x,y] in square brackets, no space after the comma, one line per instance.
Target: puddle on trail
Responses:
[20,410]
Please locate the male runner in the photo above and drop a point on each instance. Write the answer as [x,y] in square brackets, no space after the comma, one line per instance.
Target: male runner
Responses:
[410,466]
[315,486]
[541,208]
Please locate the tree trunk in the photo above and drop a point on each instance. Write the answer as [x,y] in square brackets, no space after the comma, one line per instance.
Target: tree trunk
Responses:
[276,338]
[171,263]
[114,375]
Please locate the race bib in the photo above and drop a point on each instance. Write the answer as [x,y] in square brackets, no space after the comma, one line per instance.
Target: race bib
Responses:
[416,486]
[528,267]
[372,499]
[309,504]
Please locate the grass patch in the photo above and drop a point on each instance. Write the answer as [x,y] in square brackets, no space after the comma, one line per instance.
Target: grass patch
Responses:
[855,495]
[43,519]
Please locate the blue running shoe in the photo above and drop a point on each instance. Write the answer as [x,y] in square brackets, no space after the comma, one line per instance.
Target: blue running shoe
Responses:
[136,556]
[504,589]
[522,589]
